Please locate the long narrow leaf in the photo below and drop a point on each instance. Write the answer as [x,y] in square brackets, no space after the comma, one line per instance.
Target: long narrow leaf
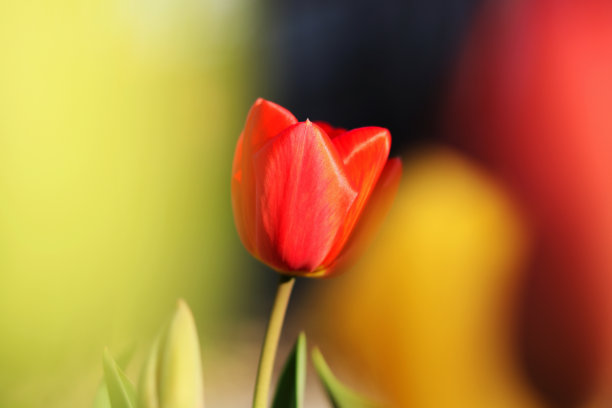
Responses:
[339,395]
[101,399]
[121,391]
[292,382]
[147,392]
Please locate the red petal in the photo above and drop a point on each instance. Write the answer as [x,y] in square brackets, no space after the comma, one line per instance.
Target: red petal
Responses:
[237,199]
[303,197]
[373,214]
[364,152]
[331,131]
[264,121]
[236,164]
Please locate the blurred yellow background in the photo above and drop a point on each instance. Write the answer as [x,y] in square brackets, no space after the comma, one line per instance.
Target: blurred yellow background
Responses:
[117,129]
[425,319]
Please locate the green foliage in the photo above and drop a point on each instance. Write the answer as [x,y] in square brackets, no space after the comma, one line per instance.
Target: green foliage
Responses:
[292,382]
[148,395]
[339,395]
[101,399]
[121,391]
[172,376]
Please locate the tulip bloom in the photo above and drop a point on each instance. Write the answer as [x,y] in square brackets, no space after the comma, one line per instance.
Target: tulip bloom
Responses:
[299,189]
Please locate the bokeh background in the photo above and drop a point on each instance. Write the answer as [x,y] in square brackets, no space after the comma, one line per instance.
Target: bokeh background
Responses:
[488,284]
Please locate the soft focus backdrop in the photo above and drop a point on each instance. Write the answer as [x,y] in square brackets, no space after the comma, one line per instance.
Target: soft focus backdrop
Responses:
[117,126]
[486,287]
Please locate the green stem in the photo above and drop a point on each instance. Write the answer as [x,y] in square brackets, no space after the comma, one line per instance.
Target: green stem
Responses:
[268,351]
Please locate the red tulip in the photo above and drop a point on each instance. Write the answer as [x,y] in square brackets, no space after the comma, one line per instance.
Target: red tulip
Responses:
[300,188]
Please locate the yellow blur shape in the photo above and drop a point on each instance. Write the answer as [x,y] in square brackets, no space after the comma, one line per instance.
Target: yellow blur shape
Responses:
[117,128]
[173,375]
[425,319]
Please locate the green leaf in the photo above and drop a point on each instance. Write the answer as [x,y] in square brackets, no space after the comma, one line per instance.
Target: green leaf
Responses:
[121,391]
[173,376]
[339,395]
[181,378]
[292,382]
[147,392]
[101,399]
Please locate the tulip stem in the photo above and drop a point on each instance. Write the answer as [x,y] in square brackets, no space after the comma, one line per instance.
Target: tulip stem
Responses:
[268,350]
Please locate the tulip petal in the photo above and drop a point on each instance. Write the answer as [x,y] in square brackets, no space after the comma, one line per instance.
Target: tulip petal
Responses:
[237,163]
[364,152]
[303,197]
[331,131]
[264,121]
[238,201]
[373,214]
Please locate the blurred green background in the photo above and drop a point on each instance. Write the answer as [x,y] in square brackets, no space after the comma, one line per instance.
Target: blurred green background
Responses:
[118,121]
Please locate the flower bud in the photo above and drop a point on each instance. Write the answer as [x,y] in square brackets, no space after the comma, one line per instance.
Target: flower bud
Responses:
[172,376]
[300,189]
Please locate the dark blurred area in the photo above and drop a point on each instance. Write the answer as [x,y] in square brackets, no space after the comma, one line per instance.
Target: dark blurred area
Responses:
[364,63]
